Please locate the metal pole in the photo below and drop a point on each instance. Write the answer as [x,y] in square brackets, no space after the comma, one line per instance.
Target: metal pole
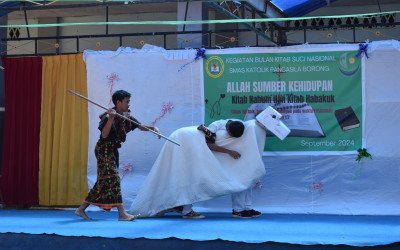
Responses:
[26,21]
[229,14]
[186,11]
[107,20]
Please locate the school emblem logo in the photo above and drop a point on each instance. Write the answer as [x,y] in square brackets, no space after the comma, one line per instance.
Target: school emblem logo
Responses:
[348,64]
[214,66]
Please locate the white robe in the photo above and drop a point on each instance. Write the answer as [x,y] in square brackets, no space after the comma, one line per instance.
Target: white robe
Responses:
[191,172]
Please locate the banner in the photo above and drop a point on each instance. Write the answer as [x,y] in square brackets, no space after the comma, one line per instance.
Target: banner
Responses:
[319,95]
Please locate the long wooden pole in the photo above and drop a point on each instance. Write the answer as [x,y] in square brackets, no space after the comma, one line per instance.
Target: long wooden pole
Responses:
[124,117]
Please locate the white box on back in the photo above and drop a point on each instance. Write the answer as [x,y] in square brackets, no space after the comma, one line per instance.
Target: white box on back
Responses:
[270,119]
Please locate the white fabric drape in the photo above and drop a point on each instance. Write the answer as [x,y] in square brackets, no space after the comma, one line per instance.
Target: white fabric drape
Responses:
[192,173]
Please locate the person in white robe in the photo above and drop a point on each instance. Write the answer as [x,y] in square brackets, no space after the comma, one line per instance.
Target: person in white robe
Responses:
[186,174]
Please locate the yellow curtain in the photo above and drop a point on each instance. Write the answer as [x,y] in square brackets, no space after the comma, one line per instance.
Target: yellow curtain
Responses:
[63,145]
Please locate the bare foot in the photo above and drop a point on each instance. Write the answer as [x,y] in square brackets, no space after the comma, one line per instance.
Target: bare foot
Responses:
[82,214]
[127,217]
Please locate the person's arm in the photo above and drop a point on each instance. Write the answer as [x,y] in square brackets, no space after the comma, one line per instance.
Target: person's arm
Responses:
[145,128]
[216,125]
[216,148]
[106,129]
[155,129]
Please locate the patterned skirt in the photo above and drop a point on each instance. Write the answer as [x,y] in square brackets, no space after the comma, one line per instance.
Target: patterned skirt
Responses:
[106,192]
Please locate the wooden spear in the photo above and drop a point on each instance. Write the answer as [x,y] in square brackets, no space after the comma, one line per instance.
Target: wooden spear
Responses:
[124,117]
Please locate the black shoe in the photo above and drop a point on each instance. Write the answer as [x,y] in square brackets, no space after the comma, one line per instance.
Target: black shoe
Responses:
[255,213]
[193,215]
[245,214]
[177,209]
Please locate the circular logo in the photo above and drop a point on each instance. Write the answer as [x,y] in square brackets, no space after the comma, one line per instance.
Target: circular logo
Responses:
[214,66]
[348,64]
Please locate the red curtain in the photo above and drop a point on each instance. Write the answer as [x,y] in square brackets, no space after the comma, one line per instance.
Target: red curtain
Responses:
[20,162]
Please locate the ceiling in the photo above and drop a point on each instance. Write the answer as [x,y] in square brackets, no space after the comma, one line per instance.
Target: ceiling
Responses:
[362,2]
[297,8]
[94,8]
[79,9]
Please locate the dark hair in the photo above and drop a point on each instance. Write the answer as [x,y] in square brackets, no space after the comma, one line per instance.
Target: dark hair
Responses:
[120,95]
[236,128]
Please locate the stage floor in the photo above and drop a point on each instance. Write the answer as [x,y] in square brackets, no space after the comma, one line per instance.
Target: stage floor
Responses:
[276,228]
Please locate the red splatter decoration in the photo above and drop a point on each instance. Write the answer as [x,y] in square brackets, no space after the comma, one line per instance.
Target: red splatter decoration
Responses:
[166,108]
[126,169]
[112,79]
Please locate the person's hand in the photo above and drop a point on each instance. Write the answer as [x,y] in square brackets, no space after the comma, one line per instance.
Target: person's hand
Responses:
[111,113]
[158,131]
[234,154]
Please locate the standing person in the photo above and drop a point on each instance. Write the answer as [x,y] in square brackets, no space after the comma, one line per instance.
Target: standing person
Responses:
[106,192]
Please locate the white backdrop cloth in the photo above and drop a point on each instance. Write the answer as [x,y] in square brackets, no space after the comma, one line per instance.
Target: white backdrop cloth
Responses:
[191,172]
[315,184]
[151,76]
